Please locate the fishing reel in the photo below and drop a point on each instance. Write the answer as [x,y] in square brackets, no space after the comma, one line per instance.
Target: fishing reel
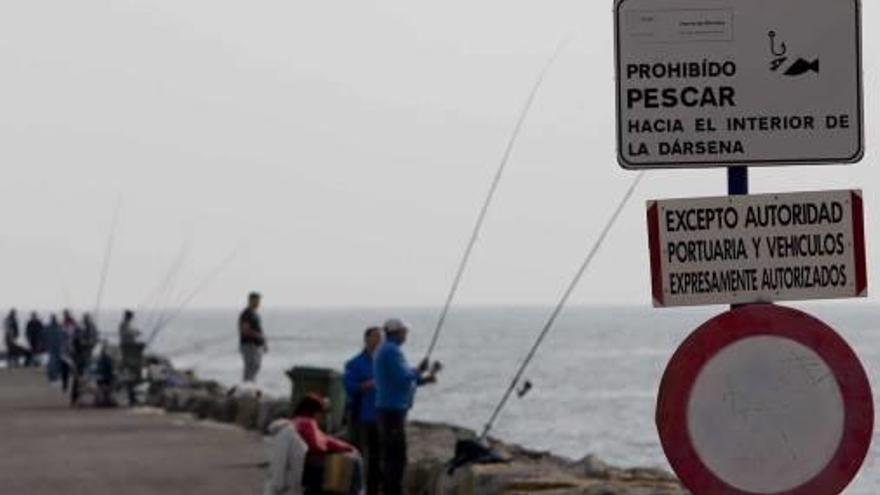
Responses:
[524,389]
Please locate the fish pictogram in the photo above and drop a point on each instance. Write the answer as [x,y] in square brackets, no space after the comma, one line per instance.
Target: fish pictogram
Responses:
[801,67]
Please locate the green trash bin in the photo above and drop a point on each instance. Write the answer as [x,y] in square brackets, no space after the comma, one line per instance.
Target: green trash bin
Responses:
[324,382]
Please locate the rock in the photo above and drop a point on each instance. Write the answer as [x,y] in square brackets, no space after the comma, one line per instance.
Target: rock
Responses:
[248,410]
[272,409]
[431,447]
[592,467]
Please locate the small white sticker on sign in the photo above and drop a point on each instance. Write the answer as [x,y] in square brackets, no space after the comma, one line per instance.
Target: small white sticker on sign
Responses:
[679,26]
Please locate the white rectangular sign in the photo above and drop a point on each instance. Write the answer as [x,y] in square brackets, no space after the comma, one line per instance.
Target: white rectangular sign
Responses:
[705,83]
[758,248]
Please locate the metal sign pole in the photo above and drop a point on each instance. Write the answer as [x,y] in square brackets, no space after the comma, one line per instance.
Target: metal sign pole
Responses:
[737,184]
[737,180]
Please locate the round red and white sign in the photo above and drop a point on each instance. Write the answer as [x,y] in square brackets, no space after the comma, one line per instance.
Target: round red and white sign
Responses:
[765,399]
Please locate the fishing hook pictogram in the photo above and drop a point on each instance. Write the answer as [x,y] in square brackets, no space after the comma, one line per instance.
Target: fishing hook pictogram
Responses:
[779,51]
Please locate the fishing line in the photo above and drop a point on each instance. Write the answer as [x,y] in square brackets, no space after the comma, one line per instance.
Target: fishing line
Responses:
[561,304]
[505,158]
[161,297]
[199,345]
[192,295]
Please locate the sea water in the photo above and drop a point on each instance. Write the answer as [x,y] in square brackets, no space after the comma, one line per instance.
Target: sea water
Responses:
[595,378]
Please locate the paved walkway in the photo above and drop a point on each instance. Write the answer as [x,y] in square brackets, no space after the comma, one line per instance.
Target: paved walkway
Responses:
[51,449]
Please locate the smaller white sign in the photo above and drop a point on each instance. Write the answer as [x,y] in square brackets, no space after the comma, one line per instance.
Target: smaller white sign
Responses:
[757,248]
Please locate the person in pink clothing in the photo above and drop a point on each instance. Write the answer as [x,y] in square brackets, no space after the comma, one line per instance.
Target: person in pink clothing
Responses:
[306,420]
[308,413]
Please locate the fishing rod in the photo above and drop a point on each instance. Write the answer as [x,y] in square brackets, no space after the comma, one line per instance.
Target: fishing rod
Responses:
[108,254]
[559,306]
[505,158]
[172,315]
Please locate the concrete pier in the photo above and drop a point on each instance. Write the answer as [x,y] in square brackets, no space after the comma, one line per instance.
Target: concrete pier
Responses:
[51,449]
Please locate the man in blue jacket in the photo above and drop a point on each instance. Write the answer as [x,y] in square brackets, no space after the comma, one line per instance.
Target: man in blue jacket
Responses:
[361,391]
[396,384]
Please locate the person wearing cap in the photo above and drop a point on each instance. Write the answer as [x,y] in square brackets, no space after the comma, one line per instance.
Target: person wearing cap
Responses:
[360,388]
[396,383]
[252,342]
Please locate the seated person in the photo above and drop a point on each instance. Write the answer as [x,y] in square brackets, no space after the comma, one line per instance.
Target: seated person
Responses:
[306,418]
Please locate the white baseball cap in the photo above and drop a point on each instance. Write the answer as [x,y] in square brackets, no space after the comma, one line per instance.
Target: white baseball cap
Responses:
[395,325]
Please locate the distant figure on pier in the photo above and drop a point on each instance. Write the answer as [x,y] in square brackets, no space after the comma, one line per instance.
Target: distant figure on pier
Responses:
[35,334]
[68,323]
[360,389]
[396,384]
[306,419]
[252,342]
[106,378]
[11,332]
[54,339]
[132,355]
[128,334]
[85,338]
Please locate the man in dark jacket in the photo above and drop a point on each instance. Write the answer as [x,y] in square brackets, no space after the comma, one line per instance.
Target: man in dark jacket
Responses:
[252,342]
[35,334]
[396,384]
[361,392]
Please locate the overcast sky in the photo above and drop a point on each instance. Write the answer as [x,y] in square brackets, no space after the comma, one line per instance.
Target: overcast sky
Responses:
[345,146]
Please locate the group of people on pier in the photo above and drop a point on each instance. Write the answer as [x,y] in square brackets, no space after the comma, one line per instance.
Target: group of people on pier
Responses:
[71,350]
[380,389]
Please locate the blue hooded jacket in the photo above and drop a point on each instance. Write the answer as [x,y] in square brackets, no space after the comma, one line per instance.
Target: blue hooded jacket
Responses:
[396,381]
[362,403]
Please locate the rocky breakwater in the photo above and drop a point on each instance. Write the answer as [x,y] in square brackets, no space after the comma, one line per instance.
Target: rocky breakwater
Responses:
[432,446]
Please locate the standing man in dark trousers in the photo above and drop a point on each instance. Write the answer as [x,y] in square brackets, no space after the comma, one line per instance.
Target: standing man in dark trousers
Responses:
[363,423]
[252,342]
[35,333]
[396,384]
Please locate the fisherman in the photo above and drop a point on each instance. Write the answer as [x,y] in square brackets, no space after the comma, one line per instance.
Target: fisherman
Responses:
[55,342]
[132,355]
[11,332]
[252,342]
[35,334]
[361,407]
[85,338]
[68,323]
[69,328]
[128,334]
[396,384]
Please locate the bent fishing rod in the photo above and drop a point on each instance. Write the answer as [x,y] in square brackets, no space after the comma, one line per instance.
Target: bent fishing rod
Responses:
[560,305]
[481,217]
